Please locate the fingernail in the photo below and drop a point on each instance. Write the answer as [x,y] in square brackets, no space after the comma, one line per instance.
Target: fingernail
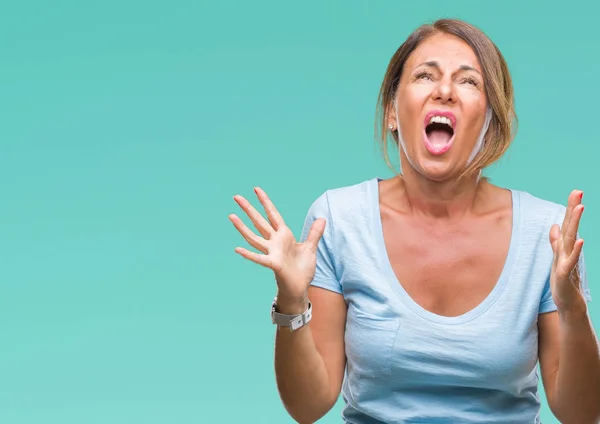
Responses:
[581,195]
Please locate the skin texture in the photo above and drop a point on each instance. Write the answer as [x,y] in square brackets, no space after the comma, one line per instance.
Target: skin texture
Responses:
[447,242]
[443,73]
[568,348]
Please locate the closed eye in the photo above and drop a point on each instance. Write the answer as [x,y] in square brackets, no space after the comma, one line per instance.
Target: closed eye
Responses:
[424,75]
[470,80]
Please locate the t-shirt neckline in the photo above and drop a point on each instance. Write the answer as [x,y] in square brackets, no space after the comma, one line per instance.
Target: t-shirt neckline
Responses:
[408,301]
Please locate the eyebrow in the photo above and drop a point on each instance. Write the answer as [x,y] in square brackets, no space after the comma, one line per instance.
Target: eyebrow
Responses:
[434,64]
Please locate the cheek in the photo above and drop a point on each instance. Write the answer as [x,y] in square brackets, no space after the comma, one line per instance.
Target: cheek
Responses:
[471,96]
[408,115]
[472,127]
[411,104]
[473,105]
[418,94]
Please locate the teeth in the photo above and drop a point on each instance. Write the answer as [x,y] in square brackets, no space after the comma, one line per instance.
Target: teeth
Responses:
[441,120]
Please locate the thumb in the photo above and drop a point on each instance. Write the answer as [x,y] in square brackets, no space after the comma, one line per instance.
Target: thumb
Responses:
[554,235]
[315,233]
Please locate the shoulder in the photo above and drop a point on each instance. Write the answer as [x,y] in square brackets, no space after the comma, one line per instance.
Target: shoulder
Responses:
[534,217]
[536,210]
[339,201]
[347,210]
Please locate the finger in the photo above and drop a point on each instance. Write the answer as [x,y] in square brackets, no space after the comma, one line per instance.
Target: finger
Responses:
[248,234]
[260,223]
[574,199]
[572,260]
[570,234]
[254,257]
[315,233]
[576,253]
[554,235]
[272,212]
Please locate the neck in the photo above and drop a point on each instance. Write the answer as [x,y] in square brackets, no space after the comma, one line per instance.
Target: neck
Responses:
[449,200]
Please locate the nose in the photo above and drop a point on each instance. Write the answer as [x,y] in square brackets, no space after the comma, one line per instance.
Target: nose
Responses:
[444,91]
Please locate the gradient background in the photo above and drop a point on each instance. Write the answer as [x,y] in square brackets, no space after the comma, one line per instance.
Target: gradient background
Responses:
[127,127]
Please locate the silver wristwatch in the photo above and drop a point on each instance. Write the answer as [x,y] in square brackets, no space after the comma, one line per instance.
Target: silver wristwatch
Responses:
[292,321]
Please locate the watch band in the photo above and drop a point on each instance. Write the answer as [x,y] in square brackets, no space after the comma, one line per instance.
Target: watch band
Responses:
[292,321]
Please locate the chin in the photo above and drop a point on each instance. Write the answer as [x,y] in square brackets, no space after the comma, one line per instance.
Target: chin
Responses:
[437,170]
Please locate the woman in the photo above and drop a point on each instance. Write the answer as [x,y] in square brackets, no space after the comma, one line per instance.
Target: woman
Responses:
[429,297]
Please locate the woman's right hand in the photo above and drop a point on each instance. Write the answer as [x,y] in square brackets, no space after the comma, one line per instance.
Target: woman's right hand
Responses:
[293,263]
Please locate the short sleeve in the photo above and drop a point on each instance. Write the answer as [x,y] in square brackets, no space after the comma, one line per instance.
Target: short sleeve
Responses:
[547,302]
[325,275]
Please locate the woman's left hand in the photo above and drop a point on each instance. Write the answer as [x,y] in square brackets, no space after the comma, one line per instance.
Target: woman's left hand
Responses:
[564,277]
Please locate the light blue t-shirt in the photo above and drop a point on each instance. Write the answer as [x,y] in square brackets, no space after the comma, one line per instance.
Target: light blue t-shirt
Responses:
[408,365]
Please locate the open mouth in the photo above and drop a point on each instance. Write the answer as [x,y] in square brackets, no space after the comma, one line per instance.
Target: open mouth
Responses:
[439,132]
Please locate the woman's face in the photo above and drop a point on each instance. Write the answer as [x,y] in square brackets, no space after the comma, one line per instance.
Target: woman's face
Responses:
[441,105]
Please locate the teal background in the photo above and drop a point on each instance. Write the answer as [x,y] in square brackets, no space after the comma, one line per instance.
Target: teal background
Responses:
[126,129]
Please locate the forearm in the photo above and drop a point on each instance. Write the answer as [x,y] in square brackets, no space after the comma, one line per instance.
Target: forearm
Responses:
[301,374]
[577,390]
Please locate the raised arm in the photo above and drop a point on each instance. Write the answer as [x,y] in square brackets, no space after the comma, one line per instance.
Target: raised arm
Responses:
[568,346]
[309,361]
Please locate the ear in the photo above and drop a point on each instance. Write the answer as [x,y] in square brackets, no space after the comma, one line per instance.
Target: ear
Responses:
[390,117]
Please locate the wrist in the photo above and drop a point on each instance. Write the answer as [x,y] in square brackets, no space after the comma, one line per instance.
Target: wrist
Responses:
[291,305]
[573,314]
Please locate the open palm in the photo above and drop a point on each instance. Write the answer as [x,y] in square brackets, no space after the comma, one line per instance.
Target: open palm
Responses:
[292,262]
